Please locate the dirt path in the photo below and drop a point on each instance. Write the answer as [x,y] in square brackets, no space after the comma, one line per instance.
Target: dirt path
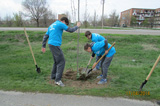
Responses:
[11,98]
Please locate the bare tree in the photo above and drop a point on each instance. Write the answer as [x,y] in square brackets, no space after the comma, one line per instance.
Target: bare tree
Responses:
[35,9]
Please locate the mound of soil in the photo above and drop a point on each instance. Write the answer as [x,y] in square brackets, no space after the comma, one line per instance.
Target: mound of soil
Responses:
[70,79]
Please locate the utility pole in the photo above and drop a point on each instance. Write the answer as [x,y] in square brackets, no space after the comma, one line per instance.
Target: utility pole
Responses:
[102,11]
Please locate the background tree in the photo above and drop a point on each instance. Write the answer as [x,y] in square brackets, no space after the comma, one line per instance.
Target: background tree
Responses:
[151,21]
[94,23]
[113,19]
[8,21]
[145,23]
[86,15]
[73,19]
[18,19]
[48,18]
[35,9]
[1,22]
[133,21]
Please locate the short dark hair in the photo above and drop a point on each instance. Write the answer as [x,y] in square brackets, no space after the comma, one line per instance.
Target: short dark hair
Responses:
[87,33]
[86,46]
[65,19]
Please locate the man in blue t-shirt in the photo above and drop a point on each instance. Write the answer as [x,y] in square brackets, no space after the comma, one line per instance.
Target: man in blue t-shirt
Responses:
[54,36]
[99,48]
[95,38]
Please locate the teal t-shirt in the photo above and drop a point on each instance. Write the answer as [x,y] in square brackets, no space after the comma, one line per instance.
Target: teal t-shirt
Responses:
[99,49]
[55,31]
[97,38]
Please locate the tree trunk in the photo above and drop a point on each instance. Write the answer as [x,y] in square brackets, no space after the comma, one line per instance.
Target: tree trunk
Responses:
[37,20]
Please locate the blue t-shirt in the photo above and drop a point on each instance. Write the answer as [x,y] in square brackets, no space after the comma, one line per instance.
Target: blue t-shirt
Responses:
[97,38]
[55,31]
[99,49]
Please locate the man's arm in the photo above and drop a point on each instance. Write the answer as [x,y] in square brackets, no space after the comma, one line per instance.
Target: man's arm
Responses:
[45,38]
[106,44]
[72,29]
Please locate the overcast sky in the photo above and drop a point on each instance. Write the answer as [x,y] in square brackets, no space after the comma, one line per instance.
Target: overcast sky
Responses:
[8,7]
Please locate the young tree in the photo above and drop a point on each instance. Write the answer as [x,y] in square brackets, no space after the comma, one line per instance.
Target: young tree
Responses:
[35,9]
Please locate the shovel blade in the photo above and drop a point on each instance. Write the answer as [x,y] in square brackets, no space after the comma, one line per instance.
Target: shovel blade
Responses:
[140,89]
[84,72]
[89,72]
[38,69]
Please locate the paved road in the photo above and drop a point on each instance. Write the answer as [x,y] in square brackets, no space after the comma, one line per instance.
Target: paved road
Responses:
[45,99]
[109,31]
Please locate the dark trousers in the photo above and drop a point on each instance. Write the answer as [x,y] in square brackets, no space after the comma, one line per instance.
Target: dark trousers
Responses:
[105,63]
[59,62]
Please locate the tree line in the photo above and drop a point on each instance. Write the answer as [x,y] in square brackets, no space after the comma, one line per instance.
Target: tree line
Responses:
[36,14]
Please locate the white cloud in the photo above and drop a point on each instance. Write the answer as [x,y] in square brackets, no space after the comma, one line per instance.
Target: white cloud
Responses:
[8,7]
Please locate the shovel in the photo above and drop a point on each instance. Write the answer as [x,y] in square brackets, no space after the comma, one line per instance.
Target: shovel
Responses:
[89,71]
[149,73]
[37,68]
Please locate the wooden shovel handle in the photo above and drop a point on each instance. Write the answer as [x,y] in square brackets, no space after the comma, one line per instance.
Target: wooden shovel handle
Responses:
[30,46]
[89,61]
[153,67]
[103,56]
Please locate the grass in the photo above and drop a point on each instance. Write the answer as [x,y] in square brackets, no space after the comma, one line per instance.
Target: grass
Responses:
[134,58]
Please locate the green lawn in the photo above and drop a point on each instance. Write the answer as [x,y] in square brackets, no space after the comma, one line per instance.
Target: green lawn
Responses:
[134,58]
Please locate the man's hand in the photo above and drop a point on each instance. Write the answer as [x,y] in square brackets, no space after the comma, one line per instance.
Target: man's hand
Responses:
[78,24]
[43,50]
[106,52]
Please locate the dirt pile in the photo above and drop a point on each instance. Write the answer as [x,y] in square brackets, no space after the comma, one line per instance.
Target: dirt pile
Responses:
[70,79]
